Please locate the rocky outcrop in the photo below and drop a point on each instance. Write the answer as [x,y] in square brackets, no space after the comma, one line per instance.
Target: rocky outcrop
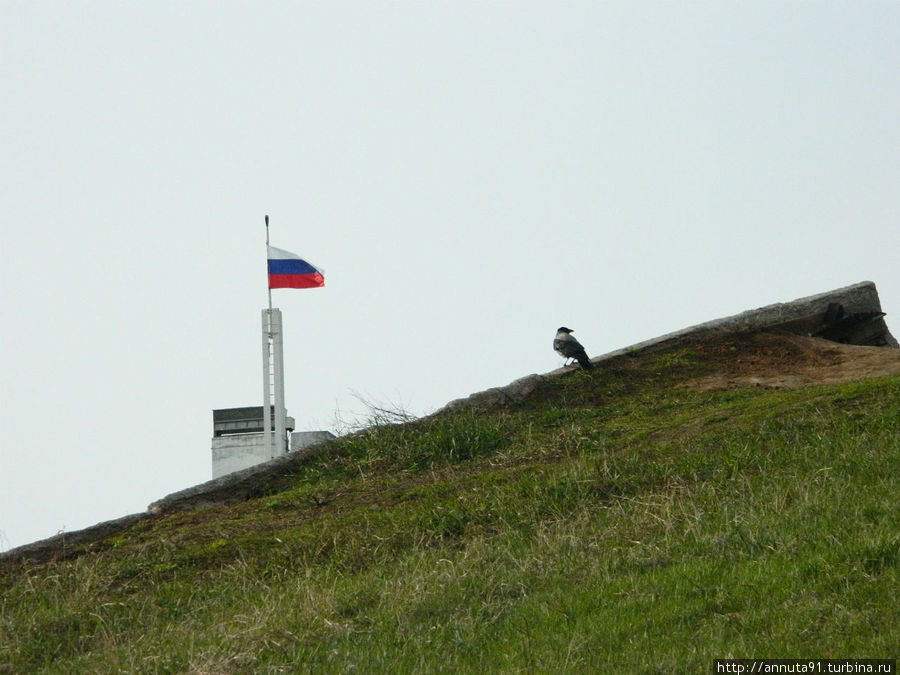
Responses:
[854,312]
[851,315]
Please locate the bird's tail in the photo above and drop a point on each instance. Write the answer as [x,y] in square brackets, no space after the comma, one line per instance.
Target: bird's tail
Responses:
[584,361]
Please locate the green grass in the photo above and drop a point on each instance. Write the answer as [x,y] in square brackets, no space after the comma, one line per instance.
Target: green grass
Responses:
[612,522]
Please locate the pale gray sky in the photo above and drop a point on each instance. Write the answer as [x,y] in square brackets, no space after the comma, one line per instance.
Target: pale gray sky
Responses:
[470,175]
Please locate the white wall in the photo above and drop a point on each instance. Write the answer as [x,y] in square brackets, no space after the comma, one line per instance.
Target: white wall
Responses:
[233,453]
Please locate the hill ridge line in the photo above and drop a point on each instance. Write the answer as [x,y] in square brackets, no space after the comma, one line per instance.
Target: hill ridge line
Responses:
[801,316]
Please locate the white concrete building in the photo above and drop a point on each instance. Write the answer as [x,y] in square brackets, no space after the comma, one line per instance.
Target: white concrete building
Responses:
[238,441]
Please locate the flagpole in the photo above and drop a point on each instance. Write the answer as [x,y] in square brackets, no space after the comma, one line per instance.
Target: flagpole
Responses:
[274,350]
[267,255]
[267,366]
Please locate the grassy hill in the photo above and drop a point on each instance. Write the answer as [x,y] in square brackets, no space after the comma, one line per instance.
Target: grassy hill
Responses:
[651,515]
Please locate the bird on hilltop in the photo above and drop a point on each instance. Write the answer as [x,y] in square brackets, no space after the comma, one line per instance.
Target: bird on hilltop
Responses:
[570,348]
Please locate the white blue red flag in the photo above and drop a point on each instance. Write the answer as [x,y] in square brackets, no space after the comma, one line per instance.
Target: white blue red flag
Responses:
[288,270]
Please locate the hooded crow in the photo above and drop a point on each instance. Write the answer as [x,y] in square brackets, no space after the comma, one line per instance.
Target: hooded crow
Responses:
[570,348]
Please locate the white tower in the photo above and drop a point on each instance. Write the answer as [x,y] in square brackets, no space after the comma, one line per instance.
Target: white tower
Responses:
[275,435]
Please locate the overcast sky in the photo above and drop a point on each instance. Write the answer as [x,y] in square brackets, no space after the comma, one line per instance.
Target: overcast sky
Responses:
[470,175]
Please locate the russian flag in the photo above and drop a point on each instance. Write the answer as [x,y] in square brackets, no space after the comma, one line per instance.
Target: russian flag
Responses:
[288,270]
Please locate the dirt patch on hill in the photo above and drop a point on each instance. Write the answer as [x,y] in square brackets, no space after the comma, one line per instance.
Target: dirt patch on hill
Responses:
[785,360]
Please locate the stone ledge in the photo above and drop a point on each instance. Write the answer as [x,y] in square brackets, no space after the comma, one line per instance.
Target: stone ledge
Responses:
[65,544]
[233,487]
[802,316]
